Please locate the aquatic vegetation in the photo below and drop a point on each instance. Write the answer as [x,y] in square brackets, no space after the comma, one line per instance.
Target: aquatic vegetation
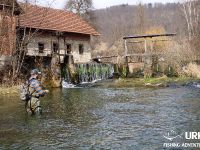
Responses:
[88,73]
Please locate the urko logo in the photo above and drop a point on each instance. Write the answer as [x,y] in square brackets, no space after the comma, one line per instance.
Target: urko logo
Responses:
[177,139]
[172,135]
[192,135]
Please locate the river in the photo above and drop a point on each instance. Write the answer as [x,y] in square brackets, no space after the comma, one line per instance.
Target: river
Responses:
[100,118]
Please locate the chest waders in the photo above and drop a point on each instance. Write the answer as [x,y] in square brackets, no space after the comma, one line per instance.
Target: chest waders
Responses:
[33,106]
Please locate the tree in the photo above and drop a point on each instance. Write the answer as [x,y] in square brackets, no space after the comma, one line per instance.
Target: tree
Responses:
[141,18]
[191,10]
[80,7]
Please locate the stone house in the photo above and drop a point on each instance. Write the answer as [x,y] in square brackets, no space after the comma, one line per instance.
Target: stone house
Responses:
[48,33]
[56,33]
[53,40]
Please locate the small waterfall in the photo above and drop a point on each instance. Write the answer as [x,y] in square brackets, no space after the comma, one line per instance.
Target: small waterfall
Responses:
[93,72]
[66,79]
[87,73]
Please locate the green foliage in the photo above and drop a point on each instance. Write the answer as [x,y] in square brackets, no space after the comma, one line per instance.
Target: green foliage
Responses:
[170,71]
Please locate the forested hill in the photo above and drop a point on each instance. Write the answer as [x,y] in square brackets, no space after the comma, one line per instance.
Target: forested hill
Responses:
[117,21]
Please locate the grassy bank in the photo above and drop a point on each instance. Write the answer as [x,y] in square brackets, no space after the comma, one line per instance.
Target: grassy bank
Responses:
[9,90]
[166,80]
[148,82]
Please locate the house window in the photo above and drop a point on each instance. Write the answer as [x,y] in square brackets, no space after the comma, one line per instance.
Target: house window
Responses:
[41,47]
[69,48]
[55,47]
[81,48]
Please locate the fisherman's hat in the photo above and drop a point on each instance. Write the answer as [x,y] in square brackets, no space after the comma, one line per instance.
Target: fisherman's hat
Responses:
[35,72]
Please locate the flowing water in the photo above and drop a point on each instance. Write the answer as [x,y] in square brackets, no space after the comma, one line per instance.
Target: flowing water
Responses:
[87,73]
[100,118]
[94,71]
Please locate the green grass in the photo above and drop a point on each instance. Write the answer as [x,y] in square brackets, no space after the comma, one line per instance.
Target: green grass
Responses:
[165,80]
[139,82]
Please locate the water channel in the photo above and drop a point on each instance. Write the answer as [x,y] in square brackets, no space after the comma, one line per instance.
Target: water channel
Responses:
[100,118]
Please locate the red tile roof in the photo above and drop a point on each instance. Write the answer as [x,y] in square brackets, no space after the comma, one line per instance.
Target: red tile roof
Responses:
[54,19]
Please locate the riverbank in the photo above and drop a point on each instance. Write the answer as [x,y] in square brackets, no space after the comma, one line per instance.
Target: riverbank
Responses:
[9,90]
[148,82]
[126,82]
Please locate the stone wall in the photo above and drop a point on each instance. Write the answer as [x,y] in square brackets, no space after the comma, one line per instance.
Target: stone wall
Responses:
[7,34]
[7,39]
[49,38]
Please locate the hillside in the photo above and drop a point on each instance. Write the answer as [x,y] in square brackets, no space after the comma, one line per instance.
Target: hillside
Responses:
[115,22]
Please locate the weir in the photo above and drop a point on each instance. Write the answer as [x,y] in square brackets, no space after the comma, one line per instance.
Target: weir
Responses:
[85,72]
[93,72]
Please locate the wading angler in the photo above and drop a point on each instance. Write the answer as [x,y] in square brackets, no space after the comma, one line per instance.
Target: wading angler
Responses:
[31,92]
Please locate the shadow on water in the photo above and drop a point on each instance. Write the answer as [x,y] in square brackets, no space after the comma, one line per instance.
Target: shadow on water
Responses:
[95,118]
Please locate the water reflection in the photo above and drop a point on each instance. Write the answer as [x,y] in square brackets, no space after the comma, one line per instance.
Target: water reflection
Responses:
[95,118]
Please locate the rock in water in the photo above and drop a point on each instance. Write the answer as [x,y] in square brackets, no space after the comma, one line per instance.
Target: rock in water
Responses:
[67,85]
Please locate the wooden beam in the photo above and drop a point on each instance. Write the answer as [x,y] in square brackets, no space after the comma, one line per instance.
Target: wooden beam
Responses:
[126,48]
[148,36]
[65,54]
[135,42]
